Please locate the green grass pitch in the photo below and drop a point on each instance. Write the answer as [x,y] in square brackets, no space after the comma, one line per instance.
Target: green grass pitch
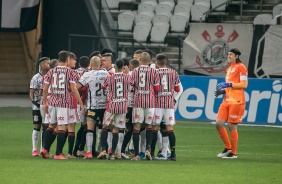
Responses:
[259,158]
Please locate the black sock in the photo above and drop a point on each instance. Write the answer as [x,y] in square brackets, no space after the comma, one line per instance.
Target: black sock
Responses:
[78,139]
[60,141]
[44,128]
[103,139]
[127,137]
[154,142]
[71,138]
[83,140]
[66,136]
[94,142]
[172,141]
[47,138]
[136,138]
[52,139]
[114,142]
[149,137]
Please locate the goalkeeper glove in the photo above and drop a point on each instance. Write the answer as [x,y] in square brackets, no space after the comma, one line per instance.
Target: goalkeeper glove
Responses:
[223,85]
[36,103]
[219,92]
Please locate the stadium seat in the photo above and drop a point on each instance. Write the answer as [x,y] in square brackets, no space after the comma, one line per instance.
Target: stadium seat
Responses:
[145,7]
[144,17]
[179,22]
[215,3]
[112,4]
[277,10]
[164,7]
[125,20]
[161,18]
[198,9]
[160,1]
[199,1]
[142,1]
[262,19]
[159,32]
[127,1]
[183,8]
[141,31]
[190,2]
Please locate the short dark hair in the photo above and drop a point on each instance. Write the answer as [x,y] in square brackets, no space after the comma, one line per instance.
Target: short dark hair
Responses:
[125,61]
[43,59]
[161,59]
[63,56]
[119,63]
[134,62]
[72,55]
[53,63]
[138,52]
[84,61]
[106,50]
[95,53]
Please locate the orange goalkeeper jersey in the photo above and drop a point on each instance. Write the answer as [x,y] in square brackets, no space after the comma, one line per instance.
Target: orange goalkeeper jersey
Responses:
[236,73]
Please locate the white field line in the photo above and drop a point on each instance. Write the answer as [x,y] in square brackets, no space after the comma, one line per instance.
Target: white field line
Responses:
[255,125]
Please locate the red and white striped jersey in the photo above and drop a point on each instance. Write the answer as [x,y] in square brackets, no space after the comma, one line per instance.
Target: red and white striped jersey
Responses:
[96,96]
[131,94]
[59,78]
[117,86]
[168,80]
[144,78]
[81,71]
[36,84]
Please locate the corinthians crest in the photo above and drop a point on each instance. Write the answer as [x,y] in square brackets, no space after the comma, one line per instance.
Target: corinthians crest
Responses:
[213,58]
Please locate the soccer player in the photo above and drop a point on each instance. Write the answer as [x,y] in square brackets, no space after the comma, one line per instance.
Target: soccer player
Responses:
[233,106]
[96,99]
[137,54]
[35,97]
[146,82]
[117,86]
[81,133]
[129,126]
[169,83]
[62,82]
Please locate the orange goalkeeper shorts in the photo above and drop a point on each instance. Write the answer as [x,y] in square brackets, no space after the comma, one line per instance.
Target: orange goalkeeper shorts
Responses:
[232,113]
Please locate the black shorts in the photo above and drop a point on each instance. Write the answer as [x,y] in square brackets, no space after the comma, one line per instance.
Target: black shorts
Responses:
[36,116]
[128,118]
[95,114]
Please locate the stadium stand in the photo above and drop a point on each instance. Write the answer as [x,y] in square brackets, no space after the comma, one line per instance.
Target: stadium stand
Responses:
[125,20]
[141,31]
[263,19]
[159,32]
[277,10]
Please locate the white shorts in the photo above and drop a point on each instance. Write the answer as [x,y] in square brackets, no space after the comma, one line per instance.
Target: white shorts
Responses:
[73,116]
[58,114]
[118,120]
[164,114]
[141,114]
[43,115]
[81,117]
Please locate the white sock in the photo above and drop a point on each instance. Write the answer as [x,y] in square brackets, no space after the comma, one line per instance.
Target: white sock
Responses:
[35,136]
[41,147]
[89,141]
[98,139]
[165,145]
[159,141]
[143,141]
[120,141]
[109,140]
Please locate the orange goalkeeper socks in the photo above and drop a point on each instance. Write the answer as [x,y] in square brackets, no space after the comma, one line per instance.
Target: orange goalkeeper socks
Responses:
[234,141]
[224,136]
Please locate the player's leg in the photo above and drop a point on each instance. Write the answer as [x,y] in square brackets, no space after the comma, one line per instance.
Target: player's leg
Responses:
[107,119]
[237,111]
[221,119]
[90,121]
[169,122]
[37,121]
[44,125]
[138,117]
[120,142]
[80,131]
[149,114]
[128,132]
[74,117]
[156,125]
[62,114]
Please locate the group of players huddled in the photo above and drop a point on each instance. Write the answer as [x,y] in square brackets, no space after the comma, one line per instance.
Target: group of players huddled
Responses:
[128,105]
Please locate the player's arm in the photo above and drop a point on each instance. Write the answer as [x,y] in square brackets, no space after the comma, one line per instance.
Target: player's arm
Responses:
[156,82]
[45,94]
[76,95]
